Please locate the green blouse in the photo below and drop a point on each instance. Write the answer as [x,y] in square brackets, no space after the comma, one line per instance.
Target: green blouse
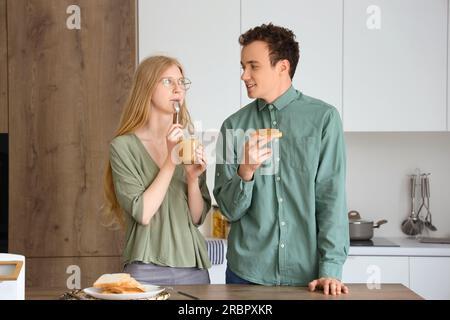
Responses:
[171,238]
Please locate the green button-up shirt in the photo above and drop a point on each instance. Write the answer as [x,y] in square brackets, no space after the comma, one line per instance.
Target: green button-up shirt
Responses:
[289,223]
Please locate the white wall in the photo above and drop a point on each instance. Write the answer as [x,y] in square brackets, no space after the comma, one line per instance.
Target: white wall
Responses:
[378,166]
[203,35]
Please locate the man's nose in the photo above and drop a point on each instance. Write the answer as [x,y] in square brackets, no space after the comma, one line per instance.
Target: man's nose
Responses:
[245,75]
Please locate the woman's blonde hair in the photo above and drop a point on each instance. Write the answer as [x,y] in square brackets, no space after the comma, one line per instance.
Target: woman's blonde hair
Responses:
[136,114]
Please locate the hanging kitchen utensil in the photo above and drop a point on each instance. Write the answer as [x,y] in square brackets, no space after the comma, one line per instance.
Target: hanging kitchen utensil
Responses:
[412,225]
[422,195]
[428,220]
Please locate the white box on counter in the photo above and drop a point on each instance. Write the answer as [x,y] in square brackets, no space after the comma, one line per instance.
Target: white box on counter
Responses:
[12,277]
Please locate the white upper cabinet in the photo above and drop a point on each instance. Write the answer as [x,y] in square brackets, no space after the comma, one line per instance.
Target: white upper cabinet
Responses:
[203,35]
[395,65]
[382,63]
[318,27]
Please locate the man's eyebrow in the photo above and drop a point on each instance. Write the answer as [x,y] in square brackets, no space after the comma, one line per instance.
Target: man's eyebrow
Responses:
[250,62]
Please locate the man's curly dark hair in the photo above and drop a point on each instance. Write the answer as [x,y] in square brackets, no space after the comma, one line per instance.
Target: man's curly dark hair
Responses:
[281,43]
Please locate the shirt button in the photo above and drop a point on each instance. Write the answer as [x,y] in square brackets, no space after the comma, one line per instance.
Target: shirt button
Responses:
[283,223]
[270,107]
[278,178]
[280,200]
[274,123]
[278,159]
[282,245]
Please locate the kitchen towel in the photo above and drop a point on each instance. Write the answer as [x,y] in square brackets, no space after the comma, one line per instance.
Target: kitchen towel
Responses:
[216,250]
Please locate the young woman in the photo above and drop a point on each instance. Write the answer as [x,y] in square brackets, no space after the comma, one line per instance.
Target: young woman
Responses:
[158,201]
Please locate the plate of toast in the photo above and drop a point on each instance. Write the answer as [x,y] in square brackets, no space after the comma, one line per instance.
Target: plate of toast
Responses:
[121,286]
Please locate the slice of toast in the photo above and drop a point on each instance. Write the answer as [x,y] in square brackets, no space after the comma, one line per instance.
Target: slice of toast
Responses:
[118,283]
[119,290]
[133,284]
[270,132]
[112,280]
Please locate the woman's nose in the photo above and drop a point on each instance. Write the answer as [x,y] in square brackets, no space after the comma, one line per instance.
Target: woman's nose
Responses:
[177,87]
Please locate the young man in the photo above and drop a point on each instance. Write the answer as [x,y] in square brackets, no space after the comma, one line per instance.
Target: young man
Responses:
[289,225]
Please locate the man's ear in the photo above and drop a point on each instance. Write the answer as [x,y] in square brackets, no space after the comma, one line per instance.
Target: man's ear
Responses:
[284,66]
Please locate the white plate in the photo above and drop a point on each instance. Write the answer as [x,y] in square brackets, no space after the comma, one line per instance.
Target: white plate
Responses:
[150,291]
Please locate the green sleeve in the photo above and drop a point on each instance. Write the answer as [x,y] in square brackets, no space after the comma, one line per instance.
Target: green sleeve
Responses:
[331,207]
[233,195]
[129,190]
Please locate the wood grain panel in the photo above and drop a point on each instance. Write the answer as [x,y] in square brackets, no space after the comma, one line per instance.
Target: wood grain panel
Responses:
[54,272]
[3,70]
[67,89]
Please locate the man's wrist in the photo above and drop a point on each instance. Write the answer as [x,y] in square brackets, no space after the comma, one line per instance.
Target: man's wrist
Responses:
[245,174]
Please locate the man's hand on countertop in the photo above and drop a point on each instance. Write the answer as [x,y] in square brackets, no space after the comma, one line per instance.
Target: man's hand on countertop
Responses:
[329,285]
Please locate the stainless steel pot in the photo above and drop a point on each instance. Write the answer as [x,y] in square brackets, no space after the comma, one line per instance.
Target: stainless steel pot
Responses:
[361,229]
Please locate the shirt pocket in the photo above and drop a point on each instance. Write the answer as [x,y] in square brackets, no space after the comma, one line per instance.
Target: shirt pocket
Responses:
[303,153]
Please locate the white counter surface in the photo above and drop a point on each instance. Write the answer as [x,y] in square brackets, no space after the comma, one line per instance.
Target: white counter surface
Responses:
[408,247]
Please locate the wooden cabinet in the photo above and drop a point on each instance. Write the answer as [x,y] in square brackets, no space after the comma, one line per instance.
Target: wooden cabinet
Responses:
[70,66]
[318,27]
[68,272]
[3,70]
[374,270]
[203,35]
[395,58]
[430,277]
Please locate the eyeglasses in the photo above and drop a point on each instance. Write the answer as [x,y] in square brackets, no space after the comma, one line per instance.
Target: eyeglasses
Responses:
[184,83]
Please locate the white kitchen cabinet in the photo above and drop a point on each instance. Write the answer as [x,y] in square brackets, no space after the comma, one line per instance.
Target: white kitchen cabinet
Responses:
[203,35]
[430,277]
[395,65]
[217,273]
[318,29]
[375,270]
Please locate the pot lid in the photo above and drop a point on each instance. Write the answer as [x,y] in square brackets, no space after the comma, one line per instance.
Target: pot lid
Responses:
[360,222]
[355,218]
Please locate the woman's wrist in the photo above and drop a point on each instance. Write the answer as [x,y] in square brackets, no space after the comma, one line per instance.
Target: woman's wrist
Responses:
[168,164]
[192,180]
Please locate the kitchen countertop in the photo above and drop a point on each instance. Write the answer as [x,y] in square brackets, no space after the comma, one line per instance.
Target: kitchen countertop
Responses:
[408,247]
[255,292]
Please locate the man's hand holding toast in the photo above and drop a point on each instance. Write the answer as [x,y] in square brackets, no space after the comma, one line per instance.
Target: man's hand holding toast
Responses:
[256,151]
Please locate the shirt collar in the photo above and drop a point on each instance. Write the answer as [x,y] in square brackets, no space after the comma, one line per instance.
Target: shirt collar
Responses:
[280,102]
